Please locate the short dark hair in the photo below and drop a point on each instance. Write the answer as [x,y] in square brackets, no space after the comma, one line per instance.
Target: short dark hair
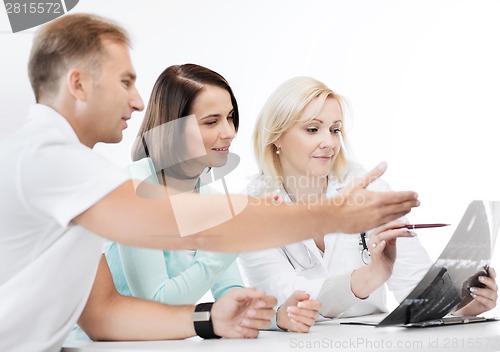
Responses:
[65,41]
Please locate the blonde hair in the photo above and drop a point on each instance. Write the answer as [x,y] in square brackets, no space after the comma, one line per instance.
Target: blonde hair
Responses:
[280,112]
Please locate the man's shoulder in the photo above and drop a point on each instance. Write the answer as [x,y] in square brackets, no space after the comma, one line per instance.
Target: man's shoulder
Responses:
[34,135]
[27,141]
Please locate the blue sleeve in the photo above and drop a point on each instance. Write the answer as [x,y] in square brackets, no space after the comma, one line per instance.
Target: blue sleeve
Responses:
[150,276]
[228,280]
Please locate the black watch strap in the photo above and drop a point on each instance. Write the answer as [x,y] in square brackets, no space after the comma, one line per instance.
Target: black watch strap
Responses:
[202,321]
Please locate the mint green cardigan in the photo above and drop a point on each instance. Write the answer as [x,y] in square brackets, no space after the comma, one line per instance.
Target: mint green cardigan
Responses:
[171,277]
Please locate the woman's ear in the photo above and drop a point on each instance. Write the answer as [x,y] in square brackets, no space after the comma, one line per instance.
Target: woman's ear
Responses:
[277,144]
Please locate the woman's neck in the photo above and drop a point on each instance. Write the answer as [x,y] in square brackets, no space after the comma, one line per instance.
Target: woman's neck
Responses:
[304,189]
[176,185]
[308,190]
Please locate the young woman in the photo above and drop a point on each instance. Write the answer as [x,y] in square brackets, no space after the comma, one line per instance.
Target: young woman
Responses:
[191,119]
[299,143]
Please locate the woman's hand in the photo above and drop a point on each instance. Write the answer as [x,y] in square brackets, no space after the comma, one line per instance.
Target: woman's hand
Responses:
[298,313]
[382,248]
[484,298]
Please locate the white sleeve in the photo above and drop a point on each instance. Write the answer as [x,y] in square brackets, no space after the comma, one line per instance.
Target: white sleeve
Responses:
[65,179]
[270,270]
[412,261]
[336,296]
[411,265]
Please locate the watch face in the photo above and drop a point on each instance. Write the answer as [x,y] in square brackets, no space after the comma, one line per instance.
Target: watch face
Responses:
[201,316]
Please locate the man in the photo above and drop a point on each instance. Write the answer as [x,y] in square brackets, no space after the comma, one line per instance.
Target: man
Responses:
[58,195]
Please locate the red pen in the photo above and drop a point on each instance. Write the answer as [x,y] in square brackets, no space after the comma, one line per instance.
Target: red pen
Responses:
[423,226]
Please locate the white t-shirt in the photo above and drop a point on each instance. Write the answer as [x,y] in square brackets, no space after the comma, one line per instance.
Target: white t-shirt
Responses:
[47,263]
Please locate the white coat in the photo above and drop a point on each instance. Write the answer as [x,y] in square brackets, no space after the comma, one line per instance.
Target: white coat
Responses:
[326,276]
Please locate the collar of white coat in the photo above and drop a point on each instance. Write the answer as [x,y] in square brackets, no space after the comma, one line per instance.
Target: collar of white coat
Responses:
[331,191]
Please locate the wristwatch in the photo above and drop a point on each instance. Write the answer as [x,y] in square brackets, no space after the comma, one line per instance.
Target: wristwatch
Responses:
[202,321]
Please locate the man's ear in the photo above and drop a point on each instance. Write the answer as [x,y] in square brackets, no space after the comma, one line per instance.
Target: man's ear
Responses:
[78,82]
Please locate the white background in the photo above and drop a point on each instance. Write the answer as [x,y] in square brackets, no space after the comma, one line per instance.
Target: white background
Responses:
[422,76]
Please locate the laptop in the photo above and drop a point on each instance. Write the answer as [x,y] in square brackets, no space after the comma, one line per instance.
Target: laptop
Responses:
[445,287]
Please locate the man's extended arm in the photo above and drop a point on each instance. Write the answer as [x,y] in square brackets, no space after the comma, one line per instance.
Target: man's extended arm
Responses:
[206,222]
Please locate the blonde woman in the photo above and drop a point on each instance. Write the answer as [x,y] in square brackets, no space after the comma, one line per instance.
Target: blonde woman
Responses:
[299,142]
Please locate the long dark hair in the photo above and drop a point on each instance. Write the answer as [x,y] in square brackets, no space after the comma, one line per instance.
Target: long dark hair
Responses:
[172,98]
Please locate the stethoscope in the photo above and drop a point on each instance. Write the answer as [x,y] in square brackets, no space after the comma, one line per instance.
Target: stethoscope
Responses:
[365,254]
[311,262]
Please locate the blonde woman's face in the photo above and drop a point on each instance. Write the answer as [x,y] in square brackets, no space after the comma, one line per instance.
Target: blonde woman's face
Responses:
[311,146]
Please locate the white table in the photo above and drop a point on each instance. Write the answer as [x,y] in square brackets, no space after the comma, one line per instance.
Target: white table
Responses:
[330,336]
